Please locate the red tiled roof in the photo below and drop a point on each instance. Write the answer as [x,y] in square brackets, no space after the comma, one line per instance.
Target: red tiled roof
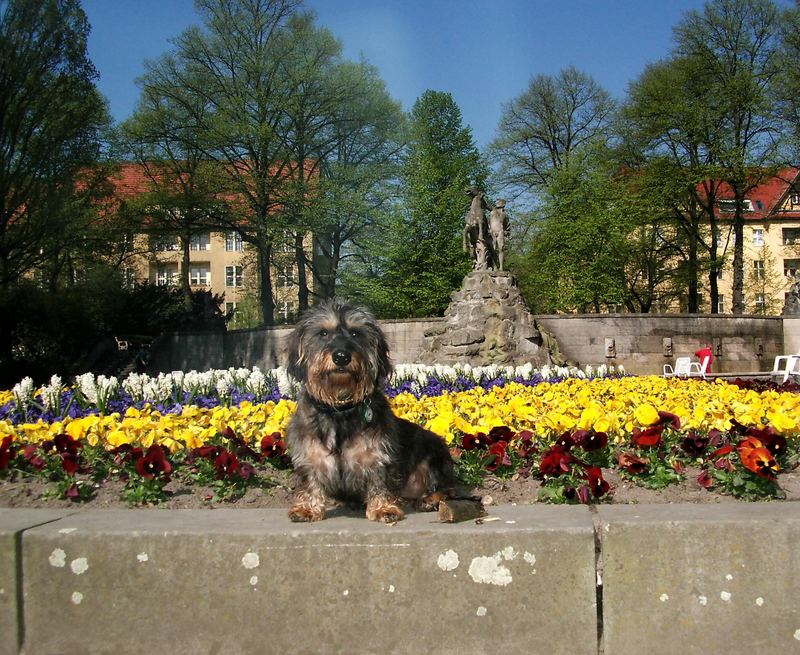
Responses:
[766,198]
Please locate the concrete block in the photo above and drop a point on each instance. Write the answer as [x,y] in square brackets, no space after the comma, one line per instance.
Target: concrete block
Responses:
[12,523]
[248,581]
[701,578]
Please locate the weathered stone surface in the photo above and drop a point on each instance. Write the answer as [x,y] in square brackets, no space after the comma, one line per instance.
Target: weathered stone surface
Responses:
[248,581]
[12,524]
[701,578]
[489,311]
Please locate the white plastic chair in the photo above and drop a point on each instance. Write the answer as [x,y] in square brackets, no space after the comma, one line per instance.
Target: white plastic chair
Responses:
[680,370]
[784,367]
[686,368]
[121,344]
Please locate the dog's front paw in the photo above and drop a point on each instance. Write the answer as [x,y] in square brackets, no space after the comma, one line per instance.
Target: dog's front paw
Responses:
[305,514]
[385,513]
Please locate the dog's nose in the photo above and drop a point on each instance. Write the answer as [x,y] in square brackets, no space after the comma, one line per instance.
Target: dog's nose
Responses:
[341,357]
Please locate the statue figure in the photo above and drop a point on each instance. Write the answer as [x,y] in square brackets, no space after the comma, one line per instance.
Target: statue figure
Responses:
[474,235]
[498,228]
[792,305]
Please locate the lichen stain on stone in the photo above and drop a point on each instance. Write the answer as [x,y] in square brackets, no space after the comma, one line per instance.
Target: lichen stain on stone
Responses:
[250,560]
[58,558]
[77,597]
[142,557]
[79,565]
[488,570]
[448,560]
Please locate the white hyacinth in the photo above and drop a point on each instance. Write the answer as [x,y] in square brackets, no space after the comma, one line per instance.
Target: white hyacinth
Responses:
[23,393]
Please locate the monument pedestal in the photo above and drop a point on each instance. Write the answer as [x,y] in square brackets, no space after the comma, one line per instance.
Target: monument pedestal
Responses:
[488,322]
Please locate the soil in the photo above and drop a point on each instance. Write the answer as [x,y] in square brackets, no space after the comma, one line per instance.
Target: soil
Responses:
[34,492]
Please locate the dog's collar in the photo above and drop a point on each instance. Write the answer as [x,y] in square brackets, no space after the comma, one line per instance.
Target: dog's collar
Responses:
[364,407]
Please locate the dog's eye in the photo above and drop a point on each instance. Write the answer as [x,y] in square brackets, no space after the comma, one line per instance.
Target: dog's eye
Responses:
[354,333]
[323,333]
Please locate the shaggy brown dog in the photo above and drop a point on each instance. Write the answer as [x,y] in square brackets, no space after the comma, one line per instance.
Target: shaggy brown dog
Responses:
[345,443]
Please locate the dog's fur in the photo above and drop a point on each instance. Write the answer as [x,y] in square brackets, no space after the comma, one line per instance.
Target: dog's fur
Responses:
[345,442]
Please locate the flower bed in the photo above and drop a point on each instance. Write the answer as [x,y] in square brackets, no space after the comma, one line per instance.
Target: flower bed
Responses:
[564,426]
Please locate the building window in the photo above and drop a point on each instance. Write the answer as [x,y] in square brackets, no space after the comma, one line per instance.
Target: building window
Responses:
[164,243]
[791,236]
[758,237]
[200,241]
[233,276]
[285,310]
[128,277]
[167,275]
[234,242]
[728,206]
[758,269]
[284,246]
[200,275]
[284,278]
[720,304]
[761,302]
[790,267]
[230,309]
[796,198]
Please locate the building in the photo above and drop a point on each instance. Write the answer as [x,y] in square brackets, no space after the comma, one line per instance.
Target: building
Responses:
[771,242]
[219,261]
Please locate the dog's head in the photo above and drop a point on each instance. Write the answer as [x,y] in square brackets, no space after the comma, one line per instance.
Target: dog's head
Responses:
[339,352]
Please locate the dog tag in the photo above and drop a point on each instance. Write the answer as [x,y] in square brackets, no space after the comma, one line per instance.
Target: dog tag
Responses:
[368,413]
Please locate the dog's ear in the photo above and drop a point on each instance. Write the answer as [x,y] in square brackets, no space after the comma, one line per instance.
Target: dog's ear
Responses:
[385,367]
[295,354]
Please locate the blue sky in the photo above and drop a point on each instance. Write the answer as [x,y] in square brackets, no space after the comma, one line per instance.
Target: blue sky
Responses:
[484,52]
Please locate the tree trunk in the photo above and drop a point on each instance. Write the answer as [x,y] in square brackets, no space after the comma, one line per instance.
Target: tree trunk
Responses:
[738,258]
[265,283]
[302,280]
[186,287]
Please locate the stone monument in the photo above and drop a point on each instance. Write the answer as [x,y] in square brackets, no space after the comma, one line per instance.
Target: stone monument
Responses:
[792,305]
[487,321]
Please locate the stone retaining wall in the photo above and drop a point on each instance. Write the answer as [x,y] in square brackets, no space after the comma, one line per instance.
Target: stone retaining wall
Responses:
[536,579]
[637,341]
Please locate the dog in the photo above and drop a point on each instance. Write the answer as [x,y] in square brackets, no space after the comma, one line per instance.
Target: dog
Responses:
[345,443]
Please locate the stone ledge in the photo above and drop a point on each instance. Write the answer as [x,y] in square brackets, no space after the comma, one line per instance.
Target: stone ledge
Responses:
[674,578]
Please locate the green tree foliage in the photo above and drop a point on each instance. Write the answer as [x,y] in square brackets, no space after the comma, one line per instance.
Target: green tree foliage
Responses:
[548,127]
[734,49]
[293,127]
[417,260]
[51,120]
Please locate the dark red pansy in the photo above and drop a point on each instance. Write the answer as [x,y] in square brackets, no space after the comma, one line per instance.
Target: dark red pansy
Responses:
[63,443]
[499,456]
[154,463]
[774,443]
[584,495]
[555,461]
[226,463]
[597,484]
[693,444]
[207,452]
[7,452]
[727,449]
[594,441]
[32,456]
[500,433]
[525,436]
[670,419]
[714,438]
[705,480]
[649,437]
[246,470]
[632,464]
[566,441]
[70,463]
[273,445]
